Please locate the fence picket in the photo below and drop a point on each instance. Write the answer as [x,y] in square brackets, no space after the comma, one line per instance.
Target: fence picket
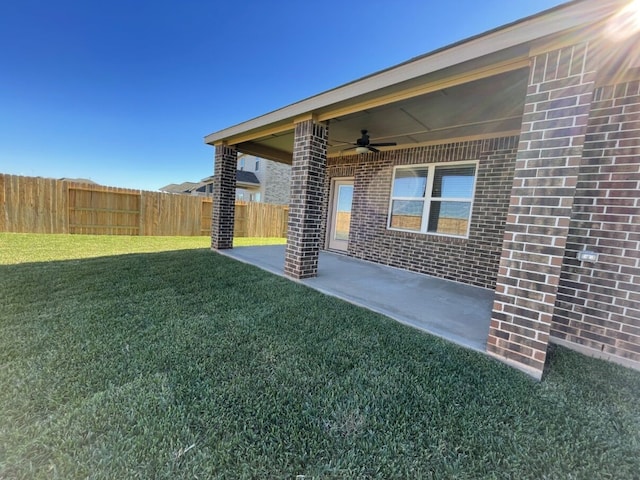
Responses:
[43,205]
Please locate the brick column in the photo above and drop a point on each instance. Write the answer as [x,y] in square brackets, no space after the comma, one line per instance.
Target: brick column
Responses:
[224,197]
[304,235]
[554,124]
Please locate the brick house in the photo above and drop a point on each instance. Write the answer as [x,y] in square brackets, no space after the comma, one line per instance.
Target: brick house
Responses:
[273,180]
[257,180]
[516,167]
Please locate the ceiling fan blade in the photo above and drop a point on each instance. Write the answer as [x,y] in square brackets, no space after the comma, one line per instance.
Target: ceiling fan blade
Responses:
[371,149]
[336,142]
[385,144]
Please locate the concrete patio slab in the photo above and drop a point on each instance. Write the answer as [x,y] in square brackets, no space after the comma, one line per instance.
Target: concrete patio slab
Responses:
[456,312]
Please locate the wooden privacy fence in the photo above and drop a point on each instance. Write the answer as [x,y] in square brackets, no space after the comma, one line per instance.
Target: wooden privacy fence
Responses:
[44,205]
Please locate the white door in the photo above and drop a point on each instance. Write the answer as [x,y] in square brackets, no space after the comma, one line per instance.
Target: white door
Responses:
[340,218]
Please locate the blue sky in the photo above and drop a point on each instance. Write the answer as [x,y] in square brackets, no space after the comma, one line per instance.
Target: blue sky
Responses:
[122,92]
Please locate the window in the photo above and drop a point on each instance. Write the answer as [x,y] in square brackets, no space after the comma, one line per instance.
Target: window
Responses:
[433,198]
[257,165]
[241,164]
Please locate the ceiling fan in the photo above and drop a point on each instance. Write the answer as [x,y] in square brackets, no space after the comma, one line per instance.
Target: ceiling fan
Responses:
[363,145]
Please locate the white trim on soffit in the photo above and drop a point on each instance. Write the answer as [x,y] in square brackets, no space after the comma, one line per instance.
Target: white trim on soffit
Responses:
[546,23]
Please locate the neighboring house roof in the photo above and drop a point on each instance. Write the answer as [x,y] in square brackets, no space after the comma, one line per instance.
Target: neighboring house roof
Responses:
[77,180]
[422,100]
[179,187]
[243,178]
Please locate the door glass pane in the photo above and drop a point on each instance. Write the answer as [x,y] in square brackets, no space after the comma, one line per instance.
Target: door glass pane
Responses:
[343,212]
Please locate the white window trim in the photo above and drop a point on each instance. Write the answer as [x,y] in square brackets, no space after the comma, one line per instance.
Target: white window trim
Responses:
[427,199]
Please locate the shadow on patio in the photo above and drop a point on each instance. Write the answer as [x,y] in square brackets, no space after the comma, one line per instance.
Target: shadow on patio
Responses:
[456,312]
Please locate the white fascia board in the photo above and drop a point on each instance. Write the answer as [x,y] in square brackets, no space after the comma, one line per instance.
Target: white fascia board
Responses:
[556,20]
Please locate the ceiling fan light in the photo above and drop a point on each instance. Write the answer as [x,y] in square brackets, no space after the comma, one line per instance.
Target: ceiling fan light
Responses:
[362,150]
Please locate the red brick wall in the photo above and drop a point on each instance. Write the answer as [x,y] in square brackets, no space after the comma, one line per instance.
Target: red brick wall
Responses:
[224,197]
[473,260]
[598,304]
[554,125]
[305,234]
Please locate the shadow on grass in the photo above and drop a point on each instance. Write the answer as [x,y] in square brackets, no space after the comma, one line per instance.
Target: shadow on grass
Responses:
[184,363]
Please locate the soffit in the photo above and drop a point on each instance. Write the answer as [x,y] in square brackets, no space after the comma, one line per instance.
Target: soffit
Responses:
[483,107]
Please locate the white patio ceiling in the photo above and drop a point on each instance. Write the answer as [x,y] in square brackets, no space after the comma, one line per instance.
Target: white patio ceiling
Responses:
[480,108]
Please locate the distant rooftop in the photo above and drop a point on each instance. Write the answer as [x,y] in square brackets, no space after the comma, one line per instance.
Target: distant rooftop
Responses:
[77,180]
[183,187]
[242,177]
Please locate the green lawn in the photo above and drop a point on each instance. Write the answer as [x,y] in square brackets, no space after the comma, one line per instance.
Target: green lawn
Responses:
[22,248]
[181,363]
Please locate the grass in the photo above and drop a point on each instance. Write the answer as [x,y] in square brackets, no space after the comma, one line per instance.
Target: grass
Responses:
[185,364]
[22,248]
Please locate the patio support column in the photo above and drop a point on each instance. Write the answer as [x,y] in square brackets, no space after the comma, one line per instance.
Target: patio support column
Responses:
[554,125]
[224,197]
[304,233]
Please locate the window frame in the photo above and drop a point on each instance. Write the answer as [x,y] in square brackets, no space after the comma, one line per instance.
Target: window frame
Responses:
[427,200]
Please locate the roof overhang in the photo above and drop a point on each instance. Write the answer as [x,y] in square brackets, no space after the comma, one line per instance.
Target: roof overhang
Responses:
[247,185]
[415,93]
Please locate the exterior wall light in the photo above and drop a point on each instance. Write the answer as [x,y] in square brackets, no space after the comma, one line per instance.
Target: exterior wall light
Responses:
[587,256]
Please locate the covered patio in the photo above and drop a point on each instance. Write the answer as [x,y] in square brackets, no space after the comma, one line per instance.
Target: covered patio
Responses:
[474,162]
[454,311]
